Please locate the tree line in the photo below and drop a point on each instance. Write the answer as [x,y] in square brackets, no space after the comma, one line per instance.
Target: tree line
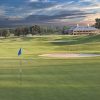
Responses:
[38,30]
[34,30]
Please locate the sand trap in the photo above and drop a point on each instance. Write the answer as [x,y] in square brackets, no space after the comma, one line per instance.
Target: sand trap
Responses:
[65,55]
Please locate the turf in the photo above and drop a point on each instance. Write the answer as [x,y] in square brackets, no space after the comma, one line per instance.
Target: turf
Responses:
[31,77]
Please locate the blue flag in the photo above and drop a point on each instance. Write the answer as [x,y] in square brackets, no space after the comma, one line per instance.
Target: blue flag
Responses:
[19,52]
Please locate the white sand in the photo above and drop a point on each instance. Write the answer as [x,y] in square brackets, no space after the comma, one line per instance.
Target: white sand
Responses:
[66,55]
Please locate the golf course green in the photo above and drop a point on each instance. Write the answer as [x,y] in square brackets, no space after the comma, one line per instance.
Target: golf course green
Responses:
[33,77]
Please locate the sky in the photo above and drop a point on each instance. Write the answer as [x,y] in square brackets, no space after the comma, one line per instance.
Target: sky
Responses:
[62,10]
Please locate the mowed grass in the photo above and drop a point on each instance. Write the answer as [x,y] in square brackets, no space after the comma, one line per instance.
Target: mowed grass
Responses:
[31,77]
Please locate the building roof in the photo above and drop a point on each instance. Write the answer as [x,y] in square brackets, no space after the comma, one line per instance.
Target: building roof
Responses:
[83,28]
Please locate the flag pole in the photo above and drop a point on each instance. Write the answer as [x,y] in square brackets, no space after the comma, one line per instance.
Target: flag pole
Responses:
[20,65]
[20,70]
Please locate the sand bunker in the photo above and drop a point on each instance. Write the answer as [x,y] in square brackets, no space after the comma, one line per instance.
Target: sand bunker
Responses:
[65,55]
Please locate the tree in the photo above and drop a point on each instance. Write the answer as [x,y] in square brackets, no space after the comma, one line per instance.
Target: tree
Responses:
[35,30]
[65,30]
[97,24]
[5,33]
[25,31]
[19,32]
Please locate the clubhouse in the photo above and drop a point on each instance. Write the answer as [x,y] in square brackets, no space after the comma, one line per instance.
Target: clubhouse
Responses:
[83,30]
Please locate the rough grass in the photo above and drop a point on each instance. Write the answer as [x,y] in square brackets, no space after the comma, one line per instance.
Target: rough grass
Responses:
[43,78]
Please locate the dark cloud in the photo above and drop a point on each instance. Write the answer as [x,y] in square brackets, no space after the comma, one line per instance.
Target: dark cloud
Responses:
[41,5]
[61,15]
[46,10]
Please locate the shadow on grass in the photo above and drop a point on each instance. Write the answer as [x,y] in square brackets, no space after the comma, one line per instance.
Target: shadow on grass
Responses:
[76,40]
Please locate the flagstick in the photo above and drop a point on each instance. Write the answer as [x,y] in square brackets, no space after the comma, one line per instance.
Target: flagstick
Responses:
[20,71]
[20,65]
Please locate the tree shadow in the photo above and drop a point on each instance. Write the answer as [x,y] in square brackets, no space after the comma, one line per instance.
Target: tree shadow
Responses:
[77,40]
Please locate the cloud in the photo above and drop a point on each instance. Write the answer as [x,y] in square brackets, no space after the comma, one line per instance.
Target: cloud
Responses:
[33,0]
[40,1]
[61,9]
[92,17]
[2,11]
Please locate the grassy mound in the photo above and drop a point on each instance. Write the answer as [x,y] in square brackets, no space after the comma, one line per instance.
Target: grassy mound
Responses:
[34,46]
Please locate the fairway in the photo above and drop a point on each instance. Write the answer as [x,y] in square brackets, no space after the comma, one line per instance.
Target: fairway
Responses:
[32,77]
